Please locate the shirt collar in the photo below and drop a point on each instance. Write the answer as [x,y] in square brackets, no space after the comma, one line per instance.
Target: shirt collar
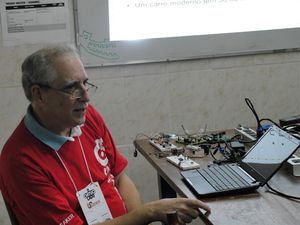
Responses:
[49,138]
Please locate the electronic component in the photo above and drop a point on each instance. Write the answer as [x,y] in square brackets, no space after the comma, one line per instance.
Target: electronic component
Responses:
[162,145]
[289,120]
[193,147]
[183,162]
[246,133]
[238,147]
[293,165]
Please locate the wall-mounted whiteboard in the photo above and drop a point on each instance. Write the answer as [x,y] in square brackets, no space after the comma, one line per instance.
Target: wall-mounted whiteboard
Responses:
[96,49]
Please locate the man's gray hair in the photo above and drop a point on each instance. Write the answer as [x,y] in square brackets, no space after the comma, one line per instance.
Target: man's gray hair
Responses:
[39,67]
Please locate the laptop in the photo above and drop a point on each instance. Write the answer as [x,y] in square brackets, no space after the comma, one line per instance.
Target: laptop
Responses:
[256,168]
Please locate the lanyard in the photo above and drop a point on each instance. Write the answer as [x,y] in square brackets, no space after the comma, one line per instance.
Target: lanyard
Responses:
[87,166]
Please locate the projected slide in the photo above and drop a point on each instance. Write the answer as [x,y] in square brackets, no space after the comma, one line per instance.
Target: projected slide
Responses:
[144,19]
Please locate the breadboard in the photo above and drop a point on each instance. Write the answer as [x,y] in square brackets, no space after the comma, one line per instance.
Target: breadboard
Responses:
[183,162]
[164,147]
[246,133]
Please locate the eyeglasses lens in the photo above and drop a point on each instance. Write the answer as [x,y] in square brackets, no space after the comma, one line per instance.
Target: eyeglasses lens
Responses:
[88,87]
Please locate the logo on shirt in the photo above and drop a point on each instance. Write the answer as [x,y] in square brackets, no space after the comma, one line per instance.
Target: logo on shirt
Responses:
[67,220]
[99,152]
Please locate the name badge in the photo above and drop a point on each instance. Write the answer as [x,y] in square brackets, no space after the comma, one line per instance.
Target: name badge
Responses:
[93,204]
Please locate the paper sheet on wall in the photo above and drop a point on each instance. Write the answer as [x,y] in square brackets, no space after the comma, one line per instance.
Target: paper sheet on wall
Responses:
[30,22]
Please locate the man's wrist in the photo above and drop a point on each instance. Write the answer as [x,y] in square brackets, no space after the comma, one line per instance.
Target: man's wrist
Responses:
[153,213]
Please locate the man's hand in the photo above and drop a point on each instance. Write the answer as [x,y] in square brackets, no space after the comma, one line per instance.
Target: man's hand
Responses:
[179,211]
[172,211]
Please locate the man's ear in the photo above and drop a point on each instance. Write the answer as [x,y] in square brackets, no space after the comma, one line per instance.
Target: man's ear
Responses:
[37,94]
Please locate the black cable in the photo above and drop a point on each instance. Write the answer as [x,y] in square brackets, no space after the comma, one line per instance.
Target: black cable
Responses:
[282,194]
[230,150]
[292,132]
[219,161]
[260,129]
[212,155]
[235,136]
[234,154]
[246,142]
[135,153]
[267,119]
[250,105]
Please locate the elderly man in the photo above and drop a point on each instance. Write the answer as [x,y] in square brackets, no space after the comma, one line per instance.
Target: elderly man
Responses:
[60,166]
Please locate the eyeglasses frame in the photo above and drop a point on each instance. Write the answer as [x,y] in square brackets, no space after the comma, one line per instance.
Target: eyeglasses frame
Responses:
[74,96]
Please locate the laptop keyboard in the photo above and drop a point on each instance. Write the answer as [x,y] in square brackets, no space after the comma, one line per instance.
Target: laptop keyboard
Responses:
[225,177]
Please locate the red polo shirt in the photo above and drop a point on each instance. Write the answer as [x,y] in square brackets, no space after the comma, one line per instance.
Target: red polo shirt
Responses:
[38,187]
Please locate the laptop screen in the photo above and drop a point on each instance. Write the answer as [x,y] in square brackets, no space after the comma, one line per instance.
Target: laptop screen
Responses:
[270,151]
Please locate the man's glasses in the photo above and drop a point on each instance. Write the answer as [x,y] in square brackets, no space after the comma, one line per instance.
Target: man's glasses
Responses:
[75,90]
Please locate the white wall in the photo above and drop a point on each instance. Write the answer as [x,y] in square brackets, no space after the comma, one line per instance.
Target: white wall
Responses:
[157,97]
